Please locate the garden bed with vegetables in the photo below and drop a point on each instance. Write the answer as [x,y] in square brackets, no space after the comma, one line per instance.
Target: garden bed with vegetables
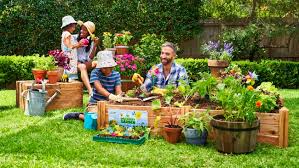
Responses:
[232,96]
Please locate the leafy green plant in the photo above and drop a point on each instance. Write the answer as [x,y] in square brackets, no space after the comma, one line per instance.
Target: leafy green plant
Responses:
[107,40]
[238,103]
[199,121]
[156,104]
[149,48]
[206,85]
[122,38]
[169,94]
[44,63]
[269,97]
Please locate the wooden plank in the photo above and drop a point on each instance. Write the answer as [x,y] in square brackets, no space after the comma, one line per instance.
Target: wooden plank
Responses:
[268,139]
[286,128]
[269,118]
[281,128]
[269,129]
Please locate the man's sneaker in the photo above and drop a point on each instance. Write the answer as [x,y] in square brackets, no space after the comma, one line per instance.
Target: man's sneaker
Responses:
[70,116]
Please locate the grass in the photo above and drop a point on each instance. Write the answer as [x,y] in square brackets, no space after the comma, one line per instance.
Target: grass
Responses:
[51,142]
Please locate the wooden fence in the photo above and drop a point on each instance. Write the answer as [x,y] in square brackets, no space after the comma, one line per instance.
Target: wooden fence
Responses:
[285,47]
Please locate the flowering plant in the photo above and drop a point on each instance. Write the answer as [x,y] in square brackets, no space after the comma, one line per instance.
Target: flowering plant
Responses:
[116,130]
[218,51]
[107,40]
[238,103]
[122,38]
[154,71]
[61,59]
[128,64]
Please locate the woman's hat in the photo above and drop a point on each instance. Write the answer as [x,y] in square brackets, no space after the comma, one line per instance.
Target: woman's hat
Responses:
[90,27]
[105,59]
[67,20]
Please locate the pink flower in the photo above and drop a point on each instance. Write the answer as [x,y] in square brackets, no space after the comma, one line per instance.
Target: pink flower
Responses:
[122,69]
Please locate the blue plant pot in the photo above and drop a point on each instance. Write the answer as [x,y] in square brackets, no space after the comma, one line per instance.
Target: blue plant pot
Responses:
[195,137]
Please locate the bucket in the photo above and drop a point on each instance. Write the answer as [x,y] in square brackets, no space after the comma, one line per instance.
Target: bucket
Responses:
[90,121]
[36,103]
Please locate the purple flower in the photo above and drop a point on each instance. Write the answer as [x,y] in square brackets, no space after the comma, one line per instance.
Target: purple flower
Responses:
[228,47]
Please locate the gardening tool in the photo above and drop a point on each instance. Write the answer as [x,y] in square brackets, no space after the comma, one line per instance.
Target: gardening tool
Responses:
[36,100]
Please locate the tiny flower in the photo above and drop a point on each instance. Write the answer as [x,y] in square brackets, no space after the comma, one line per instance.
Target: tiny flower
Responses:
[250,88]
[258,104]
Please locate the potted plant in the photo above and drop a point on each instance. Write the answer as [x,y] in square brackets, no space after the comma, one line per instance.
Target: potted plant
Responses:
[219,56]
[196,127]
[172,131]
[108,43]
[52,71]
[61,61]
[40,68]
[236,130]
[121,41]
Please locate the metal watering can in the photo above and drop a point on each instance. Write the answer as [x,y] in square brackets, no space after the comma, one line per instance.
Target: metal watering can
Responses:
[36,102]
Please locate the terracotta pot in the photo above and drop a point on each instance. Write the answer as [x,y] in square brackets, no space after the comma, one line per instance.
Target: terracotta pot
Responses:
[234,137]
[217,66]
[53,76]
[172,135]
[39,75]
[121,50]
[127,83]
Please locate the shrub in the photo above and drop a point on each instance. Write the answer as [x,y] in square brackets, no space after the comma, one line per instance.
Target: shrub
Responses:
[34,26]
[149,48]
[246,42]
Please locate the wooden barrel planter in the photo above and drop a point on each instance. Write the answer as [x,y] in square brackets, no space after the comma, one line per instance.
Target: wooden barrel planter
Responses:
[122,50]
[273,126]
[234,137]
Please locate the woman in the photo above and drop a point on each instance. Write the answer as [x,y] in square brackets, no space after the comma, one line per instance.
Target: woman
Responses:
[86,53]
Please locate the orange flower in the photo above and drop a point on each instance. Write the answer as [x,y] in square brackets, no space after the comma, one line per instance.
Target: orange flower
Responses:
[250,87]
[258,104]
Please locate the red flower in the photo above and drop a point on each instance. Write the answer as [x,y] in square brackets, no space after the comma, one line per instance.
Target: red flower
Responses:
[258,104]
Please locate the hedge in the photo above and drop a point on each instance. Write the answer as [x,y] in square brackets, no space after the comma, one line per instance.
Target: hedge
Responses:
[283,74]
[33,26]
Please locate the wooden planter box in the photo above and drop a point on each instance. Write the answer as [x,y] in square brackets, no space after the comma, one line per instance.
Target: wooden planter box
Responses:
[71,94]
[273,126]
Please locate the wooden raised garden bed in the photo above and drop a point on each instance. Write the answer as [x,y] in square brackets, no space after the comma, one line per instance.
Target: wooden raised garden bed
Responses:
[273,126]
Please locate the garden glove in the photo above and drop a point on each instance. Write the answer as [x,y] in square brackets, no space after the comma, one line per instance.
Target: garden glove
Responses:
[117,98]
[138,79]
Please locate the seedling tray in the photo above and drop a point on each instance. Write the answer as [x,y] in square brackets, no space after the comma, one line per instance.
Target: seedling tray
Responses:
[120,140]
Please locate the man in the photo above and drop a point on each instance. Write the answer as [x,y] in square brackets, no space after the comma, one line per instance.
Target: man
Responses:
[165,73]
[106,82]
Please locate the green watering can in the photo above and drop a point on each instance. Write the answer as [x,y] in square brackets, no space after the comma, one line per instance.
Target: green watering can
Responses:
[36,102]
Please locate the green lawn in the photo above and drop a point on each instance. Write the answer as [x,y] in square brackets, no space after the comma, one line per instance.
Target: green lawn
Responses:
[51,142]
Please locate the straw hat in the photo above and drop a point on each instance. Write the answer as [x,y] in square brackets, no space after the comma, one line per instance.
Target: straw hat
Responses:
[90,27]
[67,20]
[105,59]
